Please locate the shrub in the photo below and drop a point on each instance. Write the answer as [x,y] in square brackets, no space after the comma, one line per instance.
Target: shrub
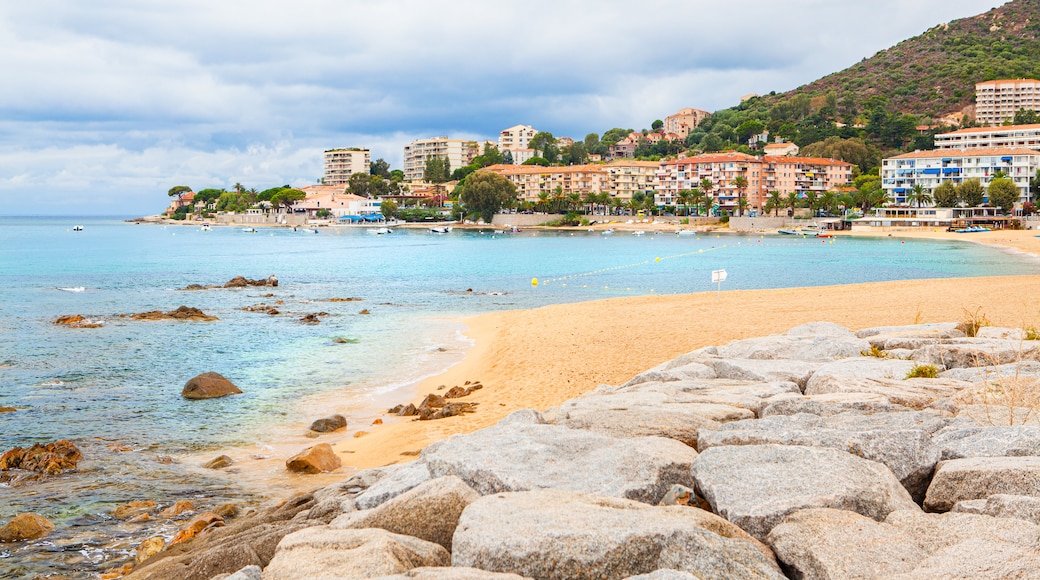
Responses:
[923,372]
[973,322]
[1032,334]
[874,352]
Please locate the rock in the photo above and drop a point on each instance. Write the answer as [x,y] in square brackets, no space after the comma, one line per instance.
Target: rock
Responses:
[818,341]
[392,481]
[404,410]
[826,543]
[914,393]
[973,352]
[324,553]
[317,459]
[566,534]
[977,559]
[450,573]
[208,386]
[196,526]
[77,321]
[7,409]
[429,511]
[329,424]
[218,462]
[935,532]
[50,458]
[640,413]
[864,367]
[688,366]
[991,373]
[756,486]
[980,477]
[177,509]
[833,404]
[957,442]
[795,371]
[181,313]
[664,575]
[900,441]
[935,331]
[1023,507]
[518,457]
[25,527]
[242,282]
[434,401]
[311,318]
[226,511]
[149,548]
[247,573]
[132,509]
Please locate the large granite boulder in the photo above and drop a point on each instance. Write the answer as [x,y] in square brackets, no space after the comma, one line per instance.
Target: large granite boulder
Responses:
[740,369]
[208,386]
[756,486]
[832,404]
[987,373]
[685,367]
[977,352]
[916,393]
[817,341]
[751,395]
[392,481]
[450,573]
[329,424]
[524,456]
[934,331]
[565,534]
[980,477]
[317,459]
[830,544]
[429,511]
[958,441]
[1023,507]
[323,553]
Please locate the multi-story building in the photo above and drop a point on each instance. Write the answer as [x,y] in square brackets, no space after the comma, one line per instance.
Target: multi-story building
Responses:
[786,148]
[532,180]
[340,164]
[458,152]
[789,174]
[997,101]
[626,177]
[901,173]
[1027,136]
[516,140]
[684,121]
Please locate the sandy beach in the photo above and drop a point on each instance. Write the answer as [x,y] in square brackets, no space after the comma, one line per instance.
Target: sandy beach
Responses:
[542,357]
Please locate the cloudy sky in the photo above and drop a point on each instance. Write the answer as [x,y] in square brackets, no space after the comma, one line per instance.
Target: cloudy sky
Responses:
[104,105]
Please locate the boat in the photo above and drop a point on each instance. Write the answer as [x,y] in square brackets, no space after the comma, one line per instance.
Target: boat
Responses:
[686,233]
[72,289]
[249,230]
[514,230]
[788,232]
[381,231]
[205,228]
[608,232]
[639,233]
[77,228]
[440,229]
[972,230]
[823,234]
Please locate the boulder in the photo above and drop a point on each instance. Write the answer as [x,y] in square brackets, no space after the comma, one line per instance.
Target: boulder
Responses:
[134,508]
[833,404]
[450,573]
[197,525]
[977,559]
[915,393]
[178,508]
[391,482]
[521,456]
[989,373]
[664,574]
[329,424]
[957,442]
[1023,507]
[247,573]
[670,371]
[933,533]
[795,371]
[974,352]
[219,462]
[566,534]
[818,341]
[149,548]
[25,527]
[826,543]
[317,459]
[751,395]
[50,458]
[756,486]
[429,511]
[208,386]
[78,321]
[323,553]
[980,477]
[863,367]
[243,282]
[934,331]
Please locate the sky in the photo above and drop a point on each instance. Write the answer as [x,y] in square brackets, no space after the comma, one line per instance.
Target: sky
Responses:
[105,105]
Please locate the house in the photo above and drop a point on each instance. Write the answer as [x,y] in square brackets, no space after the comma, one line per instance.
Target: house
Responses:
[780,149]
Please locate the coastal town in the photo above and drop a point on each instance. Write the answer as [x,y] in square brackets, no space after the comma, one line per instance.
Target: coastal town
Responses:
[980,176]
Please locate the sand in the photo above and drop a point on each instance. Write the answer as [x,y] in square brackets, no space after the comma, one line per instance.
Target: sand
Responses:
[539,358]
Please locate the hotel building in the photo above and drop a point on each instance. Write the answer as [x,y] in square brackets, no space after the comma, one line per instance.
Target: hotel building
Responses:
[516,140]
[532,180]
[998,101]
[340,164]
[930,168]
[1027,136]
[684,121]
[458,152]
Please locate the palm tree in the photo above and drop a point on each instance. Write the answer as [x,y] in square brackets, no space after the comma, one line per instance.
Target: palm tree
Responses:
[792,201]
[812,198]
[775,201]
[707,186]
[741,183]
[683,197]
[574,199]
[696,198]
[829,201]
[918,195]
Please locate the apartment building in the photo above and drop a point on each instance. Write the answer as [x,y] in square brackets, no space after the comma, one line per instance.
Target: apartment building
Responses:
[789,174]
[684,121]
[516,140]
[340,164]
[899,174]
[1027,136]
[780,149]
[458,152]
[626,177]
[532,180]
[997,101]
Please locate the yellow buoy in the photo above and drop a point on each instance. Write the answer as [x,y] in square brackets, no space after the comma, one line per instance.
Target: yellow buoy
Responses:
[657,259]
[534,281]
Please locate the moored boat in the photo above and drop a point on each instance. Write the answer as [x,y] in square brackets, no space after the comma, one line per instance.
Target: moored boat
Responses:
[77,228]
[788,232]
[440,229]
[972,230]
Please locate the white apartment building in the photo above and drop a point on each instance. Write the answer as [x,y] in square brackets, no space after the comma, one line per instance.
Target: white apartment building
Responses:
[684,121]
[930,168]
[1027,136]
[515,140]
[998,101]
[458,152]
[340,164]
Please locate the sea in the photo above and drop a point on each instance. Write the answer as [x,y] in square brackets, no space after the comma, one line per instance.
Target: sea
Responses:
[389,308]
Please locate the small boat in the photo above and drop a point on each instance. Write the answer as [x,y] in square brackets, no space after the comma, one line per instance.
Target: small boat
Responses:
[249,230]
[72,289]
[639,233]
[205,228]
[608,232]
[77,228]
[686,233]
[972,230]
[789,232]
[514,230]
[823,234]
[440,229]
[497,232]
[381,231]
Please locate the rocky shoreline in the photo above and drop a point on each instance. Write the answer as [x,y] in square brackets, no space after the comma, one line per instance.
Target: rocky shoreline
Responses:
[810,454]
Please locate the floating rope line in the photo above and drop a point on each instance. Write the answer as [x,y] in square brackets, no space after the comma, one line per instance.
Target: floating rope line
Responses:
[536,281]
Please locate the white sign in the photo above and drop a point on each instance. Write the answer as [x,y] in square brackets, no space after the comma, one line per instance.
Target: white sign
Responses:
[718,276]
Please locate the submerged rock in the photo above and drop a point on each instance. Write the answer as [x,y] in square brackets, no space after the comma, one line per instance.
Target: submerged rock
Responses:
[50,458]
[208,386]
[25,527]
[218,462]
[181,313]
[243,282]
[329,424]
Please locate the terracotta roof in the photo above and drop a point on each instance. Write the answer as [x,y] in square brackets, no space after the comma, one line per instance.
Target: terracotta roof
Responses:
[805,160]
[1003,81]
[1035,127]
[980,152]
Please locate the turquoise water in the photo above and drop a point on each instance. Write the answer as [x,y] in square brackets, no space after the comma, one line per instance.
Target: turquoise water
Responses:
[120,384]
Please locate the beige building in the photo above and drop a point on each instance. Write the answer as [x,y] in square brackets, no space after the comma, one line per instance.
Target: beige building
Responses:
[458,152]
[684,121]
[1027,136]
[779,149]
[626,177]
[532,180]
[340,164]
[335,200]
[790,174]
[515,140]
[996,102]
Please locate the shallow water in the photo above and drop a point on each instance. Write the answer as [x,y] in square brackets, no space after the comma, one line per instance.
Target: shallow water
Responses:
[118,386]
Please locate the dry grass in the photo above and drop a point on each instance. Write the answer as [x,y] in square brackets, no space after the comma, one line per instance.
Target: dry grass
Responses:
[923,372]
[973,322]
[1002,399]
[874,352]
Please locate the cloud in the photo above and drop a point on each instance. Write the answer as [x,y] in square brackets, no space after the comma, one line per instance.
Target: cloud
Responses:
[107,104]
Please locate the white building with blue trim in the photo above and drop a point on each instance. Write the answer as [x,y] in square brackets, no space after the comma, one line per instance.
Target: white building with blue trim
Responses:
[930,168]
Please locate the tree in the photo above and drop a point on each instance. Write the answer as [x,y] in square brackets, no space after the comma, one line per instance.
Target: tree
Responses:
[388,208]
[179,191]
[1003,194]
[437,170]
[208,195]
[918,195]
[575,154]
[1026,117]
[707,186]
[287,197]
[545,145]
[657,124]
[507,157]
[485,193]
[360,184]
[711,143]
[741,183]
[945,195]
[970,192]
[380,167]
[775,201]
[792,201]
[537,161]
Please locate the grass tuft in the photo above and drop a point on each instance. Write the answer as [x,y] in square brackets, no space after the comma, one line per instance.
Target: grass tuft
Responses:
[923,372]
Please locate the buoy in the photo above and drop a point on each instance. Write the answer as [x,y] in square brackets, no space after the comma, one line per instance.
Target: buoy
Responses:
[534,281]
[657,259]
